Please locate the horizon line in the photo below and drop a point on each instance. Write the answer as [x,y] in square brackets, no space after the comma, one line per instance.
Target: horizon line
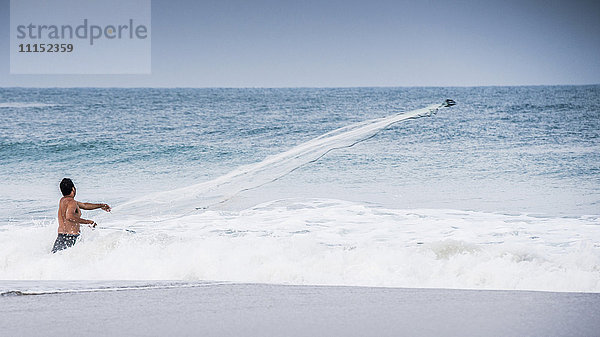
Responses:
[300,87]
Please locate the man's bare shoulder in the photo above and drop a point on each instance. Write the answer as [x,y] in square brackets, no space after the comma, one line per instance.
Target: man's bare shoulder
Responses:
[67,201]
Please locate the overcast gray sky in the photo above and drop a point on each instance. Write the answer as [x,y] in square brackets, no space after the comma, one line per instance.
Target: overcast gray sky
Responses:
[282,43]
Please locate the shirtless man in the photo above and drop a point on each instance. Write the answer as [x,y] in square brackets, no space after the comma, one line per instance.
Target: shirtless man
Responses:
[69,216]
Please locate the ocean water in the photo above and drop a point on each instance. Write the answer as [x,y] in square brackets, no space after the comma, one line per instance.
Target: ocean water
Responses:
[501,191]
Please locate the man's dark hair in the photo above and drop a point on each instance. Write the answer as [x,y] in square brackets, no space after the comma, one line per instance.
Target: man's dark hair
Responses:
[66,186]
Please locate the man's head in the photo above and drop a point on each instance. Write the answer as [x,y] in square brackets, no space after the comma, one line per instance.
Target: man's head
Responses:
[67,187]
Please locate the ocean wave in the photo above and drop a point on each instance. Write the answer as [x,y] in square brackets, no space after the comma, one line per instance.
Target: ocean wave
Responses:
[30,288]
[25,105]
[323,242]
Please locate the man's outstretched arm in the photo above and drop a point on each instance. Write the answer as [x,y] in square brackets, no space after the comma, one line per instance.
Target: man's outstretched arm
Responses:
[74,217]
[89,206]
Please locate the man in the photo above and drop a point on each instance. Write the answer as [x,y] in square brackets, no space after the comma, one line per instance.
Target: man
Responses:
[69,216]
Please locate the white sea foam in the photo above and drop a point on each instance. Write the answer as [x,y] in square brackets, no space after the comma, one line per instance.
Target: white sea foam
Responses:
[327,242]
[25,105]
[37,287]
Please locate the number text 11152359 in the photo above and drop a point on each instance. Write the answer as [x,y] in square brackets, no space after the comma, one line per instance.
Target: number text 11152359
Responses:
[46,48]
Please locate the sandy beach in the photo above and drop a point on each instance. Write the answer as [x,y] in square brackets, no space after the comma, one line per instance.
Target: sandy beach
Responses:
[281,310]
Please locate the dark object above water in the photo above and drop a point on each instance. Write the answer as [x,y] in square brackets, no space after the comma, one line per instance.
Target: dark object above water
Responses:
[449,102]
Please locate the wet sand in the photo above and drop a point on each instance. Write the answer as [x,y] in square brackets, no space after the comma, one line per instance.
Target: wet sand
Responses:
[281,310]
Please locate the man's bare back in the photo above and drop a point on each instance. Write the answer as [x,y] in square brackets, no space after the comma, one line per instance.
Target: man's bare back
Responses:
[69,215]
